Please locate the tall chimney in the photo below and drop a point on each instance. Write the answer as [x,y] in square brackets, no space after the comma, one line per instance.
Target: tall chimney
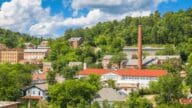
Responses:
[139,47]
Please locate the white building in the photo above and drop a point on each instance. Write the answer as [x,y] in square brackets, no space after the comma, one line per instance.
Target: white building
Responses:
[126,79]
[38,91]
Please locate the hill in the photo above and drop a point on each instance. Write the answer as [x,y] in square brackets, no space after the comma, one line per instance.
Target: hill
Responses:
[110,37]
[16,39]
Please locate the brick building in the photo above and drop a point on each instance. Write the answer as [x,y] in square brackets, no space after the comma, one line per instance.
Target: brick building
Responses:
[75,41]
[11,55]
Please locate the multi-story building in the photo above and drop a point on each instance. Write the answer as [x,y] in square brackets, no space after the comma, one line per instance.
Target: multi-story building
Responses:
[11,55]
[126,79]
[35,54]
[75,41]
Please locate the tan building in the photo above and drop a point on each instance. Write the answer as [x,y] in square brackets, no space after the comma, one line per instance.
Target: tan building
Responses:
[6,104]
[106,60]
[47,66]
[11,56]
[35,54]
[75,41]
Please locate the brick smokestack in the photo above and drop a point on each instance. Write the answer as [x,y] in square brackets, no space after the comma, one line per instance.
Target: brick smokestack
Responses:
[140,47]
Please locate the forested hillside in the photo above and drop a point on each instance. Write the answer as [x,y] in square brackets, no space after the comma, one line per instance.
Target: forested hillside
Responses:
[15,39]
[173,28]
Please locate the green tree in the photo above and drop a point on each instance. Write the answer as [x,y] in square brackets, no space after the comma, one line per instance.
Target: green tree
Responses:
[51,77]
[169,89]
[135,101]
[117,59]
[95,105]
[172,65]
[12,79]
[71,92]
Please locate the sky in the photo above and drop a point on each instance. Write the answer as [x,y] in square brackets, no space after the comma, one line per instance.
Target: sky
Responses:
[51,18]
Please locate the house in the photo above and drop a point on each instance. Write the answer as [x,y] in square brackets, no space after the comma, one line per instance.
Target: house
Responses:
[75,41]
[186,101]
[7,104]
[29,45]
[39,76]
[35,54]
[36,92]
[72,64]
[47,66]
[11,55]
[43,45]
[106,60]
[110,95]
[126,79]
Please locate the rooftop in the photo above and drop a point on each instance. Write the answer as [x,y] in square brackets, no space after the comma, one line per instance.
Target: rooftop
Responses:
[43,86]
[126,72]
[107,57]
[144,48]
[7,103]
[36,50]
[109,94]
[75,38]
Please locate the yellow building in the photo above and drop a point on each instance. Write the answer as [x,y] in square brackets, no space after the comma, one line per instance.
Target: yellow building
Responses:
[11,55]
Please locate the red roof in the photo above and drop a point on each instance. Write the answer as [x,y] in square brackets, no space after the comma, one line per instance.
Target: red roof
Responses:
[41,76]
[126,72]
[141,72]
[186,101]
[32,97]
[94,71]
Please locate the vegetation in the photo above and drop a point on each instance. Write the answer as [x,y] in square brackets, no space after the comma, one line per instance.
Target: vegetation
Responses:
[74,92]
[168,88]
[172,65]
[170,30]
[12,79]
[7,37]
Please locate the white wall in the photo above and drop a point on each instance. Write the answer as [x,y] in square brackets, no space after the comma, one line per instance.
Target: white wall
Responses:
[34,92]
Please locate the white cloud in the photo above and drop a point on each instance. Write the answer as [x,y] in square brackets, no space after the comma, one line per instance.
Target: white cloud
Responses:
[28,16]
[118,6]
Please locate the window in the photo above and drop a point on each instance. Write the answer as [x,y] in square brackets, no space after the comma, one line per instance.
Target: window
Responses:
[34,92]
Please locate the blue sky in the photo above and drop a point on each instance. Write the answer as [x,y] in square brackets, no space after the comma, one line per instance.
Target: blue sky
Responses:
[50,18]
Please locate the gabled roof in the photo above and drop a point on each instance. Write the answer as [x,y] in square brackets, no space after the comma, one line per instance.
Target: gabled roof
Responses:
[39,76]
[43,87]
[75,39]
[32,97]
[126,72]
[109,94]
